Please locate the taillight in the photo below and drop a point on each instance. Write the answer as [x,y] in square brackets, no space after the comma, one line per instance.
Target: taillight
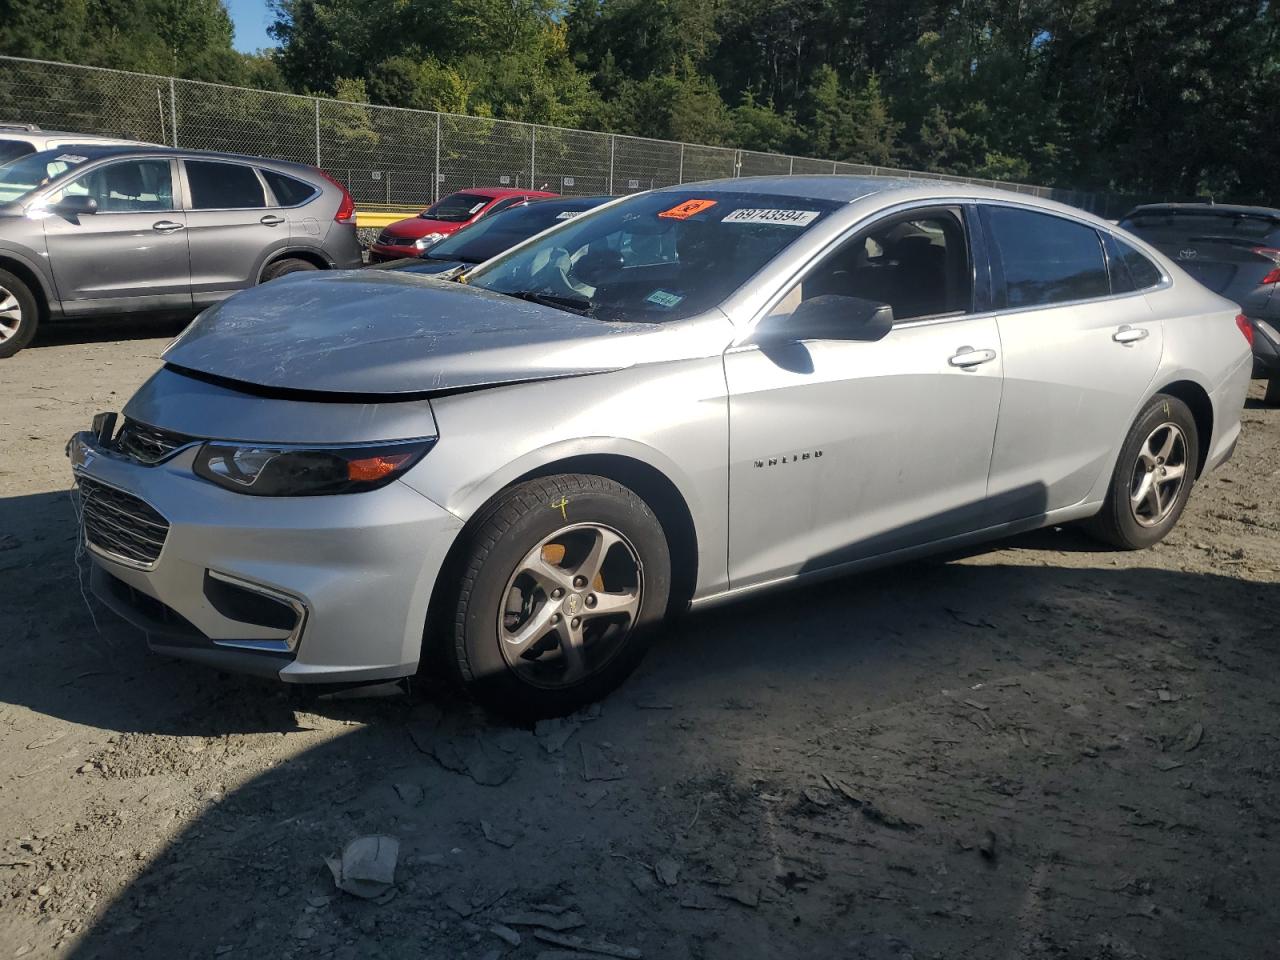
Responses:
[1245,327]
[1273,276]
[347,208]
[1272,254]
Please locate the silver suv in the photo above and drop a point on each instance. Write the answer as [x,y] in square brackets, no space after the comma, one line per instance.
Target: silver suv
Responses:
[111,229]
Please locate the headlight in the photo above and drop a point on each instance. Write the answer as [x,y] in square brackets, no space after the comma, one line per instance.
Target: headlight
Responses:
[431,238]
[265,470]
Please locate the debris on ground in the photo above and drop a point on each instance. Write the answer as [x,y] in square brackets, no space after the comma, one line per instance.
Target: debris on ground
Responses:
[1193,737]
[553,734]
[483,762]
[667,871]
[503,838]
[601,947]
[410,793]
[567,920]
[599,762]
[506,933]
[366,867]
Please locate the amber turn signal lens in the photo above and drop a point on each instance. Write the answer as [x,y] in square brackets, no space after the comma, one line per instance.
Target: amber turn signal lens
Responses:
[375,468]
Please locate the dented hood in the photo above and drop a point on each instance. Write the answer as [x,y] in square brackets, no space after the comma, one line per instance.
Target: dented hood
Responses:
[388,332]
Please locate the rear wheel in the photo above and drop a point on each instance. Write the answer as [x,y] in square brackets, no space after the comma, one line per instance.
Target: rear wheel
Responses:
[287,265]
[1153,478]
[563,580]
[19,314]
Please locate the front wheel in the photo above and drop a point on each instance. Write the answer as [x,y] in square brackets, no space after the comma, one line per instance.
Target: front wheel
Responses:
[19,314]
[563,580]
[1153,478]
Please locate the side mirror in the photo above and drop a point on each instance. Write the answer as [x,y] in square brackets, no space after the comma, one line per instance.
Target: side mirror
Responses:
[830,317]
[75,206]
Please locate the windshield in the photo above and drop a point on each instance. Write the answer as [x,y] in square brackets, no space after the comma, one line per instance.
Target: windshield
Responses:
[501,231]
[20,177]
[456,208]
[655,257]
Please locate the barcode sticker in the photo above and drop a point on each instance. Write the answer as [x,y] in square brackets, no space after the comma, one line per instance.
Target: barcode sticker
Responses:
[787,218]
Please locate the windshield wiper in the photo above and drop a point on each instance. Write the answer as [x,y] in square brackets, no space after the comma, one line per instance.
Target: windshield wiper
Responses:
[580,305]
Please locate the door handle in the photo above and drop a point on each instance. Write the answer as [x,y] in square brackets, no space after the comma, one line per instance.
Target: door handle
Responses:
[1127,334]
[969,357]
[167,226]
[271,221]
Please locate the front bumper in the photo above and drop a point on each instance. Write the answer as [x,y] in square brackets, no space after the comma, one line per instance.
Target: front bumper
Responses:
[382,252]
[356,569]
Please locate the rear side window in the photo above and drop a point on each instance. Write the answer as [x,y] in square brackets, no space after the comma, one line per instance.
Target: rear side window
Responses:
[223,186]
[12,149]
[289,191]
[1130,269]
[1045,259]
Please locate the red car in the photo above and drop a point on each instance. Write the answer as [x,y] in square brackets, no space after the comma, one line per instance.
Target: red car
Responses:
[409,238]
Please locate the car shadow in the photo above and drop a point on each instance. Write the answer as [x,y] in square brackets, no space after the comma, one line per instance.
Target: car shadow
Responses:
[109,328]
[804,773]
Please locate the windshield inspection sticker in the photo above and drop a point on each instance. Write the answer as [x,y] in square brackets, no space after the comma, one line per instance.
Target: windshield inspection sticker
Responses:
[664,299]
[689,208]
[787,218]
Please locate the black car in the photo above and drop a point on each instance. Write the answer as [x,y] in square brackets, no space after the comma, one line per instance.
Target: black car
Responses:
[493,234]
[1235,252]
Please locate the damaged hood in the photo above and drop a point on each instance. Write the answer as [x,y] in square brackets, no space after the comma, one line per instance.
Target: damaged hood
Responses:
[391,332]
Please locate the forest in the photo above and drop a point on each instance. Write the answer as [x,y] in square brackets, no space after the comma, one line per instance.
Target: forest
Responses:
[1155,97]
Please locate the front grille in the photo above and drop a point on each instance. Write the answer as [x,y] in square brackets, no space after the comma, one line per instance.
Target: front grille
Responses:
[147,444]
[120,524]
[388,239]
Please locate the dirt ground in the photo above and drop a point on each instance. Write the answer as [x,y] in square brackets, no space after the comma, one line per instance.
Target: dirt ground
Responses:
[1040,749]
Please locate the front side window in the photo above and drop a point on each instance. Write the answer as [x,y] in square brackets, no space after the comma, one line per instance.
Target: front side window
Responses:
[918,265]
[223,186]
[126,186]
[655,257]
[1045,259]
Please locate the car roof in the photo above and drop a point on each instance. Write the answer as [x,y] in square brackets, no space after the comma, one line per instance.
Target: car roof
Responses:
[96,151]
[497,193]
[558,201]
[1221,209]
[819,187]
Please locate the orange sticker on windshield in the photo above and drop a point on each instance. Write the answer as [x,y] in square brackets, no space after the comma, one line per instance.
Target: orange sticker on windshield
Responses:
[687,209]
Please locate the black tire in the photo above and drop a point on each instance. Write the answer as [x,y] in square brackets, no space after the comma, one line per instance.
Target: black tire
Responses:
[29,314]
[287,265]
[500,539]
[1119,523]
[1272,396]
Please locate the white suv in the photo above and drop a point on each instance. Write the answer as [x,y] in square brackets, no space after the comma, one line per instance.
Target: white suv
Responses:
[20,139]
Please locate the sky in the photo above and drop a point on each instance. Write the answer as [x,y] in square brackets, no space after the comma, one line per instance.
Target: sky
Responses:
[250,18]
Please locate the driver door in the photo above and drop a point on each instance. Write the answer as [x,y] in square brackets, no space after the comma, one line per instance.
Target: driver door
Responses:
[842,450]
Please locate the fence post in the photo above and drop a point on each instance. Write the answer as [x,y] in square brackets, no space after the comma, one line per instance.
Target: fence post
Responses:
[791,167]
[173,112]
[680,178]
[317,131]
[533,153]
[833,168]
[160,110]
[435,184]
[613,143]
[737,163]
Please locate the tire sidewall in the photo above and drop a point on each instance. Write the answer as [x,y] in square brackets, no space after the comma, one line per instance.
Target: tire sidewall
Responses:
[284,267]
[533,517]
[30,314]
[1160,410]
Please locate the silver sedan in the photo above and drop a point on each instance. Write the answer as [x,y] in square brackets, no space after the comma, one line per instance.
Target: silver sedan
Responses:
[679,398]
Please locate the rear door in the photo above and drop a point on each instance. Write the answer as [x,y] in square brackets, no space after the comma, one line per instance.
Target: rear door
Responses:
[229,227]
[132,253]
[1229,251]
[1077,360]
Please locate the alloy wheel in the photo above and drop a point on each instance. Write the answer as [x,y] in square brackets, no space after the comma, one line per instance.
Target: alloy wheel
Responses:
[1158,475]
[570,605]
[10,315]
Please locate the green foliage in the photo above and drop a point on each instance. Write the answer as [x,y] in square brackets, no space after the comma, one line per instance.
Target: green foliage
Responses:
[1162,97]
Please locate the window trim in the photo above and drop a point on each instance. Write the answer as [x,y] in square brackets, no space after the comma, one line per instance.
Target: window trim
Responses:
[175,199]
[186,186]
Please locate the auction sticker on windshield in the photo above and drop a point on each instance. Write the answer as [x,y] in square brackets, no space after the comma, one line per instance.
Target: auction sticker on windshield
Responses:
[683,211]
[789,218]
[664,299]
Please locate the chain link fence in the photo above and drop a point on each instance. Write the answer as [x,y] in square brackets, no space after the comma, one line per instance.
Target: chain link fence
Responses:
[396,157]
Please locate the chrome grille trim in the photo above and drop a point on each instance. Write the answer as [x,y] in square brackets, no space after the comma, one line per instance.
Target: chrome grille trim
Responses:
[120,526]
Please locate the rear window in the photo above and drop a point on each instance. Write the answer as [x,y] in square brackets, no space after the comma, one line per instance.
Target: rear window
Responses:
[458,208]
[289,191]
[1046,259]
[223,186]
[12,149]
[1176,225]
